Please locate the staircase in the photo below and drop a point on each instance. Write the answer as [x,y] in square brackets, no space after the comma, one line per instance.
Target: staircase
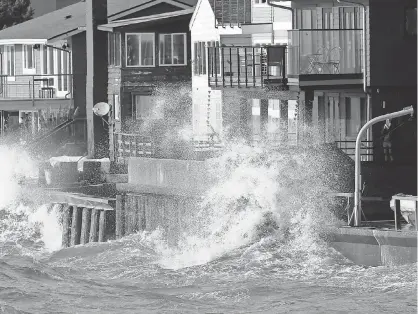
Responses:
[231,13]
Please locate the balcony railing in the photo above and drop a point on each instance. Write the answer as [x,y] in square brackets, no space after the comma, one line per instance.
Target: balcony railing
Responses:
[325,52]
[36,86]
[247,66]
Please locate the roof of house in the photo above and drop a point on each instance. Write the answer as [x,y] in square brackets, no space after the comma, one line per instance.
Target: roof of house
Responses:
[145,19]
[68,21]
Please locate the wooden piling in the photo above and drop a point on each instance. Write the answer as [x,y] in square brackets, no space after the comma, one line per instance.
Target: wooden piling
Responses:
[66,218]
[76,226]
[93,225]
[141,212]
[120,216]
[85,226]
[102,226]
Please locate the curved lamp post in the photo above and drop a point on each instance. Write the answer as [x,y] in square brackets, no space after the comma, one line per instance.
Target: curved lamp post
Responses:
[357,191]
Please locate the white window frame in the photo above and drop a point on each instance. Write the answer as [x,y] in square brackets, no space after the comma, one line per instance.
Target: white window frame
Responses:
[126,51]
[259,3]
[116,107]
[5,61]
[161,36]
[27,70]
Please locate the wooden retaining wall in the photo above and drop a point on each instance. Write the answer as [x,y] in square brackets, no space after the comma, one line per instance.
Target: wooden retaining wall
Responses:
[81,225]
[147,212]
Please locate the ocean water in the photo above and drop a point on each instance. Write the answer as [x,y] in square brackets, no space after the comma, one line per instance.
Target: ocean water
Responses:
[256,244]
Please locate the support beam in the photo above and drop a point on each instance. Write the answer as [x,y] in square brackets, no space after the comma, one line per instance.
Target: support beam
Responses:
[97,77]
[264,118]
[85,226]
[120,216]
[66,220]
[94,225]
[284,120]
[102,226]
[76,226]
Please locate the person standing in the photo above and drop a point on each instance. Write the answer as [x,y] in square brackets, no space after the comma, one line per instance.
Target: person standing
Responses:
[387,140]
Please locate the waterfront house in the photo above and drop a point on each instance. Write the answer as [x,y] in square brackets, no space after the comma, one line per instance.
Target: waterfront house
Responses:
[149,72]
[44,64]
[224,34]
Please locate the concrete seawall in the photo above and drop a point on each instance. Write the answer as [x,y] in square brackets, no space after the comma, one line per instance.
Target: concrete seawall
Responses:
[373,247]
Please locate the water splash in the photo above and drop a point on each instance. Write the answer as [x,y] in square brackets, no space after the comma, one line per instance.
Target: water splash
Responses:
[26,225]
[260,193]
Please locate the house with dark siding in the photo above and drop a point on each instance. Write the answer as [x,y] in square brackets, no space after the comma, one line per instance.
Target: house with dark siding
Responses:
[149,72]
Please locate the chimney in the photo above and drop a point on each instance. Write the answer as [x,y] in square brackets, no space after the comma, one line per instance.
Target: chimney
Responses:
[96,86]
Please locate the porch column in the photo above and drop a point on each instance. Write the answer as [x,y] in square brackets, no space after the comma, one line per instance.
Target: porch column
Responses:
[307,121]
[264,118]
[284,120]
[321,118]
[96,86]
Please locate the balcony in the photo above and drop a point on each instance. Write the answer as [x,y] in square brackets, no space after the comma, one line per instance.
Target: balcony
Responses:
[35,87]
[247,67]
[325,52]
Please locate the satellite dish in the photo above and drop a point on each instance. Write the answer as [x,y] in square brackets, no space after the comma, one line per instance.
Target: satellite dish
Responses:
[101,109]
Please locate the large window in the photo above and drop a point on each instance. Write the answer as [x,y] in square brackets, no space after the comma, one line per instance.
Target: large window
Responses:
[9,60]
[199,58]
[28,58]
[144,107]
[48,66]
[327,18]
[173,49]
[114,47]
[350,18]
[140,50]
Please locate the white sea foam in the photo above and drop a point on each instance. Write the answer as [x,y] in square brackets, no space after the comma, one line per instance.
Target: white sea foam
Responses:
[22,220]
[259,193]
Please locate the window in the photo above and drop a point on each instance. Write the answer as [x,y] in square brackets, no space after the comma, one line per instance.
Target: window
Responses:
[28,57]
[173,49]
[411,21]
[114,45]
[9,60]
[116,107]
[140,50]
[350,18]
[48,60]
[144,107]
[200,58]
[306,19]
[260,2]
[327,18]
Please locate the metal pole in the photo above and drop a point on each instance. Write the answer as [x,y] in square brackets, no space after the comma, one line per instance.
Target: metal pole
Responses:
[357,188]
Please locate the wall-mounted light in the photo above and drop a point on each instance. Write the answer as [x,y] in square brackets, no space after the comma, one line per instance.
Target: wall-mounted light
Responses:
[65,46]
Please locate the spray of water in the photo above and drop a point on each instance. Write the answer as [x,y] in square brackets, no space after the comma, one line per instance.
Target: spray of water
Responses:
[261,193]
[26,225]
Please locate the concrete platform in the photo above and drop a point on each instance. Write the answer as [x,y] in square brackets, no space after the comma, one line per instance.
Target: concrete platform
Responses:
[374,247]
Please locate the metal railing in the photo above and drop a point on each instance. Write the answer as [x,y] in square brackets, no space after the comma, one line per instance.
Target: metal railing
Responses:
[247,66]
[325,51]
[349,148]
[36,86]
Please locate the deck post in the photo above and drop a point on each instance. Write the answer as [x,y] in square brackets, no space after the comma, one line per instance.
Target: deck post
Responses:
[85,226]
[93,225]
[66,217]
[120,216]
[102,226]
[75,226]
